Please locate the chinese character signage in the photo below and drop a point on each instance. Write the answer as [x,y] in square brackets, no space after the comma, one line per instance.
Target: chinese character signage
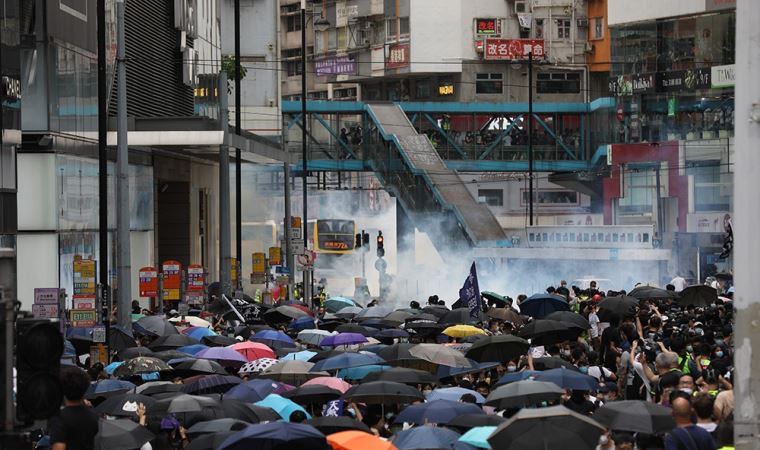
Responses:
[195,278]
[258,262]
[446,89]
[84,276]
[148,278]
[172,272]
[275,256]
[683,80]
[398,56]
[514,49]
[490,27]
[338,65]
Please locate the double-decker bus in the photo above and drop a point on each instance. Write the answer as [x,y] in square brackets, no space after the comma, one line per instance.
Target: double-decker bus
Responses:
[334,236]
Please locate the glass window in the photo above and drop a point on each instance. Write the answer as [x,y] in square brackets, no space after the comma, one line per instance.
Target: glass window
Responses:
[390,28]
[639,184]
[558,82]
[563,28]
[491,197]
[332,39]
[422,89]
[488,83]
[539,31]
[293,23]
[319,42]
[597,28]
[342,38]
[711,191]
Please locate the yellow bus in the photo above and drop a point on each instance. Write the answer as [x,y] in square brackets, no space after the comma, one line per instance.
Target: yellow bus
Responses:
[334,236]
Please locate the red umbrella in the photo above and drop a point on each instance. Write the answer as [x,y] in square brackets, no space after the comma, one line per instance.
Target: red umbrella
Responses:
[253,350]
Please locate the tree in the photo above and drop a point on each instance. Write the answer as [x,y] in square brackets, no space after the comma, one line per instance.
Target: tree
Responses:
[228,67]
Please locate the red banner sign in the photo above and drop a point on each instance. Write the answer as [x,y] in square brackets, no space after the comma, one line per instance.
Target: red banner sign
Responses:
[398,56]
[196,278]
[172,272]
[514,49]
[148,282]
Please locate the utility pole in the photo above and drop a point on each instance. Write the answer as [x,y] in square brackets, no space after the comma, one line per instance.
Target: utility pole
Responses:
[224,190]
[746,378]
[238,163]
[124,270]
[306,284]
[530,136]
[289,260]
[103,165]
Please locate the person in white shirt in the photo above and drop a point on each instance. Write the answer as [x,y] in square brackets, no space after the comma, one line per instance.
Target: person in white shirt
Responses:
[679,283]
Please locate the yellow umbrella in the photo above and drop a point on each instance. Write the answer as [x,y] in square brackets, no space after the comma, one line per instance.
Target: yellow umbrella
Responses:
[460,331]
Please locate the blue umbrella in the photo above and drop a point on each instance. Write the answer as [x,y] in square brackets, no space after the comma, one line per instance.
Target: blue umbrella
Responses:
[107,388]
[253,391]
[453,394]
[425,438]
[302,323]
[392,333]
[193,349]
[274,435]
[282,406]
[272,338]
[569,379]
[343,339]
[539,306]
[445,371]
[113,366]
[478,436]
[199,333]
[303,355]
[68,348]
[357,373]
[346,361]
[516,376]
[436,411]
[335,304]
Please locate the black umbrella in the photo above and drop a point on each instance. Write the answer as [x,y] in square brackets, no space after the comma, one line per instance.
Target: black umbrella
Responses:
[236,409]
[425,328]
[124,405]
[552,362]
[218,341]
[460,316]
[157,387]
[398,355]
[133,352]
[436,310]
[466,421]
[546,428]
[505,314]
[333,424]
[542,326]
[154,326]
[209,441]
[425,317]
[523,393]
[211,384]
[171,342]
[188,409]
[383,392]
[121,434]
[199,367]
[501,348]
[121,338]
[651,292]
[316,394]
[619,306]
[216,426]
[168,355]
[402,375]
[355,328]
[397,317]
[698,295]
[636,416]
[570,317]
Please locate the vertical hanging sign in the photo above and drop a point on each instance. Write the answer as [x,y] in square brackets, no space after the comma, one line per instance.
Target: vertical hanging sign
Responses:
[148,282]
[196,281]
[172,273]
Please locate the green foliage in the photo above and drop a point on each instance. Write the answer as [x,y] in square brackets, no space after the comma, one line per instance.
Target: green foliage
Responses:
[228,67]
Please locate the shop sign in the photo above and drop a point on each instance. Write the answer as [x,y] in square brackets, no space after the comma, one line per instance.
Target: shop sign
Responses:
[148,281]
[84,276]
[338,65]
[275,256]
[723,76]
[172,273]
[258,263]
[195,278]
[83,318]
[446,89]
[514,49]
[683,80]
[46,296]
[398,56]
[489,26]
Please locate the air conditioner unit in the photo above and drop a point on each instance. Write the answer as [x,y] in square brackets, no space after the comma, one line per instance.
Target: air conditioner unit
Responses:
[521,7]
[589,47]
[582,23]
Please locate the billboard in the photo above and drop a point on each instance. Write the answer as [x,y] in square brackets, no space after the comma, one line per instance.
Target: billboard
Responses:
[513,49]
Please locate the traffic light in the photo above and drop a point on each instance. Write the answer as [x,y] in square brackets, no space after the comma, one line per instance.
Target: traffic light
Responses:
[39,346]
[380,243]
[365,238]
[358,240]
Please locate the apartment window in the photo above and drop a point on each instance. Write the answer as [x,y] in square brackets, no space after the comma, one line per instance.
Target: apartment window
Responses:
[539,30]
[344,93]
[293,23]
[563,28]
[491,197]
[292,59]
[390,28]
[422,89]
[488,83]
[342,38]
[558,83]
[332,39]
[597,28]
[320,95]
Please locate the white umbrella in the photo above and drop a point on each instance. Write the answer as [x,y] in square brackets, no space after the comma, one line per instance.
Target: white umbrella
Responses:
[257,366]
[193,321]
[313,337]
[439,354]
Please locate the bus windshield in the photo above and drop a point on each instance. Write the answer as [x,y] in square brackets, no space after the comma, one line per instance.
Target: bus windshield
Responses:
[335,235]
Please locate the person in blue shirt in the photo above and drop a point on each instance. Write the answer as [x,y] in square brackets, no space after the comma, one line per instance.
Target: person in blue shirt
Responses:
[686,435]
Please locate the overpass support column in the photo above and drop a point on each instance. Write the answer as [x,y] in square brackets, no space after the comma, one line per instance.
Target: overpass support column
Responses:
[405,250]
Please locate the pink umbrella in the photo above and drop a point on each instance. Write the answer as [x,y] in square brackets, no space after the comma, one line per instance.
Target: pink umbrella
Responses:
[331,382]
[253,350]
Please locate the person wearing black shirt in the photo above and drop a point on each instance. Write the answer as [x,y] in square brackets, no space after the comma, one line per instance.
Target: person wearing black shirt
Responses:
[610,347]
[75,427]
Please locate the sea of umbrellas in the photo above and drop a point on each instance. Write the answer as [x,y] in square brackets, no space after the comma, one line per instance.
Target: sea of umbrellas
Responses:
[354,378]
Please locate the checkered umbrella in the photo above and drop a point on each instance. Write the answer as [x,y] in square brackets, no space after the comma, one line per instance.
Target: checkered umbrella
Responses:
[257,366]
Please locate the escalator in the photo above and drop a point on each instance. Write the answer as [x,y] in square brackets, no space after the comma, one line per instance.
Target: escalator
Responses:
[434,196]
